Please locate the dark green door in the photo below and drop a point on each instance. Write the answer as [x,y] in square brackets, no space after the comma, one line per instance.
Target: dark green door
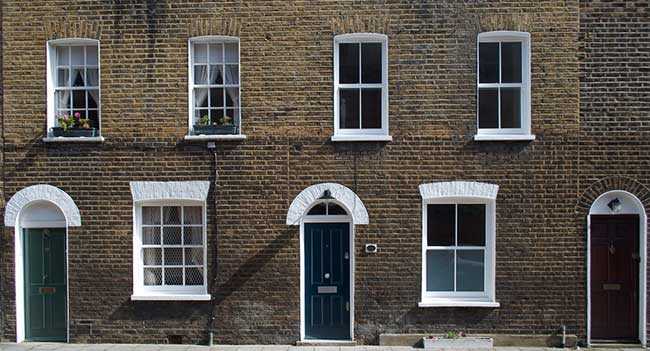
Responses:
[45,284]
[327,281]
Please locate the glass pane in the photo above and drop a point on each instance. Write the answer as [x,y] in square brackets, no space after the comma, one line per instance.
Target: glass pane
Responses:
[319,209]
[440,270]
[151,235]
[232,74]
[201,97]
[78,77]
[510,108]
[193,215]
[152,276]
[470,268]
[488,62]
[200,53]
[200,74]
[62,55]
[193,276]
[510,62]
[216,116]
[216,97]
[349,108]
[92,96]
[62,77]
[232,52]
[171,215]
[79,113]
[488,108]
[348,63]
[91,55]
[193,235]
[94,118]
[440,224]
[216,53]
[194,257]
[150,215]
[172,235]
[471,225]
[370,108]
[63,99]
[371,62]
[174,276]
[334,209]
[92,77]
[173,257]
[151,256]
[216,74]
[79,99]
[231,116]
[77,57]
[232,97]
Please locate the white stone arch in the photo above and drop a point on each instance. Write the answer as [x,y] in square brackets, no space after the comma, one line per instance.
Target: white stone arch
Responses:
[41,193]
[342,194]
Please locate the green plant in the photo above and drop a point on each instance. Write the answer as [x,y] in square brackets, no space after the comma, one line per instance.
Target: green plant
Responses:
[204,120]
[73,121]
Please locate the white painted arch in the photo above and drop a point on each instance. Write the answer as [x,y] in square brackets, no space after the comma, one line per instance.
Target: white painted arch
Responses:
[630,204]
[41,193]
[459,189]
[341,193]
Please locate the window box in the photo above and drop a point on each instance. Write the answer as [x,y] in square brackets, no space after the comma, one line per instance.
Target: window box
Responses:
[74,132]
[463,342]
[200,129]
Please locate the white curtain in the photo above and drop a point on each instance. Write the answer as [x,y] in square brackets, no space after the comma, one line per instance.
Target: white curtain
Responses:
[200,94]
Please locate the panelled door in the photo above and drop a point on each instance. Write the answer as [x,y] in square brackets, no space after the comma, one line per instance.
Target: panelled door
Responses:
[614,277]
[45,284]
[327,281]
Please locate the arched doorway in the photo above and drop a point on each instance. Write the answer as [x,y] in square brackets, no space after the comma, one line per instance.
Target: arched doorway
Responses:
[616,268]
[40,215]
[327,214]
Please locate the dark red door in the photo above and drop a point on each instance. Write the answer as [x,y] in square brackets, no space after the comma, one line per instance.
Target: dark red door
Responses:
[614,277]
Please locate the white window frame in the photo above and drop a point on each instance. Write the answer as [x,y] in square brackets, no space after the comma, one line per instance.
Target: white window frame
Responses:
[211,39]
[51,71]
[367,134]
[486,298]
[170,293]
[523,133]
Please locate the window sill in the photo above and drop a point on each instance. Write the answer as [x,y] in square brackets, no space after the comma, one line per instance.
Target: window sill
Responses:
[216,137]
[458,303]
[98,139]
[504,137]
[170,297]
[362,138]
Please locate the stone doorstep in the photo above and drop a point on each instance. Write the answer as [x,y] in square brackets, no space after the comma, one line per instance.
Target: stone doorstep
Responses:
[518,340]
[335,343]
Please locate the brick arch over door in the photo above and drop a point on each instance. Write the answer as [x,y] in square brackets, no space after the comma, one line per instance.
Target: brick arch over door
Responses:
[604,185]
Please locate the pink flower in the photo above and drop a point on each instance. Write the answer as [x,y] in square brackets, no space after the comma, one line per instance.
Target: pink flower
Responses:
[77,115]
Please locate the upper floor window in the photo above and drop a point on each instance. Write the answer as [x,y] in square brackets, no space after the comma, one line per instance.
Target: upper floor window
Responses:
[361,87]
[214,92]
[504,86]
[73,87]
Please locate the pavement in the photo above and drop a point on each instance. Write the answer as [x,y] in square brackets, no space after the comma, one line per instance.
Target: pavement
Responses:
[150,347]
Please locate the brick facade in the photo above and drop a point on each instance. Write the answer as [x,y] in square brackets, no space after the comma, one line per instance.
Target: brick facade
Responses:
[589,123]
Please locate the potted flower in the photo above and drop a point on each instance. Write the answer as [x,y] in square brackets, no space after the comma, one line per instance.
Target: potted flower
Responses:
[452,340]
[223,125]
[73,126]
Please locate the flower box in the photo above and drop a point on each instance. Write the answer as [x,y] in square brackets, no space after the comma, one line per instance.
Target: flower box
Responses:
[211,129]
[462,342]
[74,132]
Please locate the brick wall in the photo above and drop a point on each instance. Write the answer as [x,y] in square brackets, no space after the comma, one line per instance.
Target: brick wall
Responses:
[286,69]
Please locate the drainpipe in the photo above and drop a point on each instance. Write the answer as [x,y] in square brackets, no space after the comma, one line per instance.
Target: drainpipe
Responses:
[212,147]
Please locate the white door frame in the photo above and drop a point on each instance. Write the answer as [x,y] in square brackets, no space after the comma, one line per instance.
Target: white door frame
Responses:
[630,205]
[325,219]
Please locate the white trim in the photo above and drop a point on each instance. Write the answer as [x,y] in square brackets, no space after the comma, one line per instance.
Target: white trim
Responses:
[41,192]
[361,134]
[630,205]
[171,297]
[485,134]
[346,197]
[155,191]
[211,39]
[219,137]
[98,139]
[458,189]
[50,68]
[457,303]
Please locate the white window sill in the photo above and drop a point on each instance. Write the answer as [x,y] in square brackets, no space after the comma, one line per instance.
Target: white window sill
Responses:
[504,137]
[216,137]
[457,303]
[170,297]
[362,138]
[97,139]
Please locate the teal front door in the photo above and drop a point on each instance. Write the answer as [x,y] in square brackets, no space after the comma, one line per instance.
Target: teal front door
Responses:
[45,284]
[327,281]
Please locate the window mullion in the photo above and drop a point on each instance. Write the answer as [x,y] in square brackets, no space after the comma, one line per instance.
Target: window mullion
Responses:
[162,249]
[360,92]
[455,243]
[223,77]
[183,243]
[499,89]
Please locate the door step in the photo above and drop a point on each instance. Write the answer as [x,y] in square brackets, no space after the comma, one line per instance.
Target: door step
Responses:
[326,343]
[601,344]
